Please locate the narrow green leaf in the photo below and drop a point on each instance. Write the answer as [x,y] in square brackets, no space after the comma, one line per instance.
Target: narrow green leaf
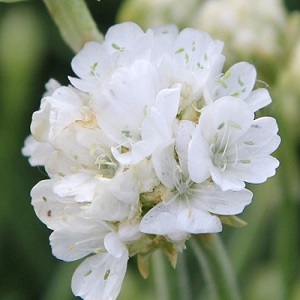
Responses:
[11,1]
[74,21]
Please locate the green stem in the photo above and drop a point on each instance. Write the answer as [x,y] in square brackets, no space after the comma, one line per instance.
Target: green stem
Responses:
[74,21]
[287,247]
[217,271]
[246,243]
[160,276]
[183,278]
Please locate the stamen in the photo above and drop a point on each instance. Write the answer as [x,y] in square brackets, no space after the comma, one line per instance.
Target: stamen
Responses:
[226,145]
[223,138]
[236,154]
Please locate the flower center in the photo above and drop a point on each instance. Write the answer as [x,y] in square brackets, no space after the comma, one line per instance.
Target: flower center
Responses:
[220,160]
[223,152]
[182,187]
[107,166]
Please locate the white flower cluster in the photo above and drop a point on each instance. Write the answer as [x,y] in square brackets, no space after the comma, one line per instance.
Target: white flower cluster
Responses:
[150,144]
[252,27]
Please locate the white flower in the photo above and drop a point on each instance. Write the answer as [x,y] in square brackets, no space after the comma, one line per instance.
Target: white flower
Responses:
[77,234]
[152,140]
[238,82]
[99,276]
[135,114]
[116,199]
[124,44]
[248,26]
[56,112]
[193,57]
[157,12]
[187,205]
[232,148]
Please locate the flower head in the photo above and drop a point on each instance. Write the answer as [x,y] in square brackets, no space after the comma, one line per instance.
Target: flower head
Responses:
[250,26]
[150,144]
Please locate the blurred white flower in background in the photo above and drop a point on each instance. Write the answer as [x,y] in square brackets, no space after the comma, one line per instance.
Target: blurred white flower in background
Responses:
[158,12]
[248,27]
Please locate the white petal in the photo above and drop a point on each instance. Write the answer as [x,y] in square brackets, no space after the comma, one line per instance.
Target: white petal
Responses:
[108,207]
[226,116]
[100,277]
[65,104]
[258,99]
[258,170]
[40,124]
[162,42]
[184,133]
[155,131]
[52,210]
[93,137]
[226,180]
[113,245]
[170,30]
[51,86]
[124,186]
[167,102]
[261,139]
[254,162]
[172,71]
[149,179]
[123,106]
[199,158]
[92,64]
[165,166]
[56,112]
[115,199]
[157,128]
[85,85]
[89,56]
[122,37]
[198,221]
[38,152]
[210,197]
[197,50]
[59,165]
[80,238]
[80,185]
[129,232]
[176,218]
[66,141]
[159,220]
[238,81]
[139,151]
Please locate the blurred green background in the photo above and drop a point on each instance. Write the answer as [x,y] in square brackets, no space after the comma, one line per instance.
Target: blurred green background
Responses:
[265,254]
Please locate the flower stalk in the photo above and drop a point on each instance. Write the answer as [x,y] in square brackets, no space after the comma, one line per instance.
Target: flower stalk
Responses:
[74,21]
[215,265]
[160,276]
